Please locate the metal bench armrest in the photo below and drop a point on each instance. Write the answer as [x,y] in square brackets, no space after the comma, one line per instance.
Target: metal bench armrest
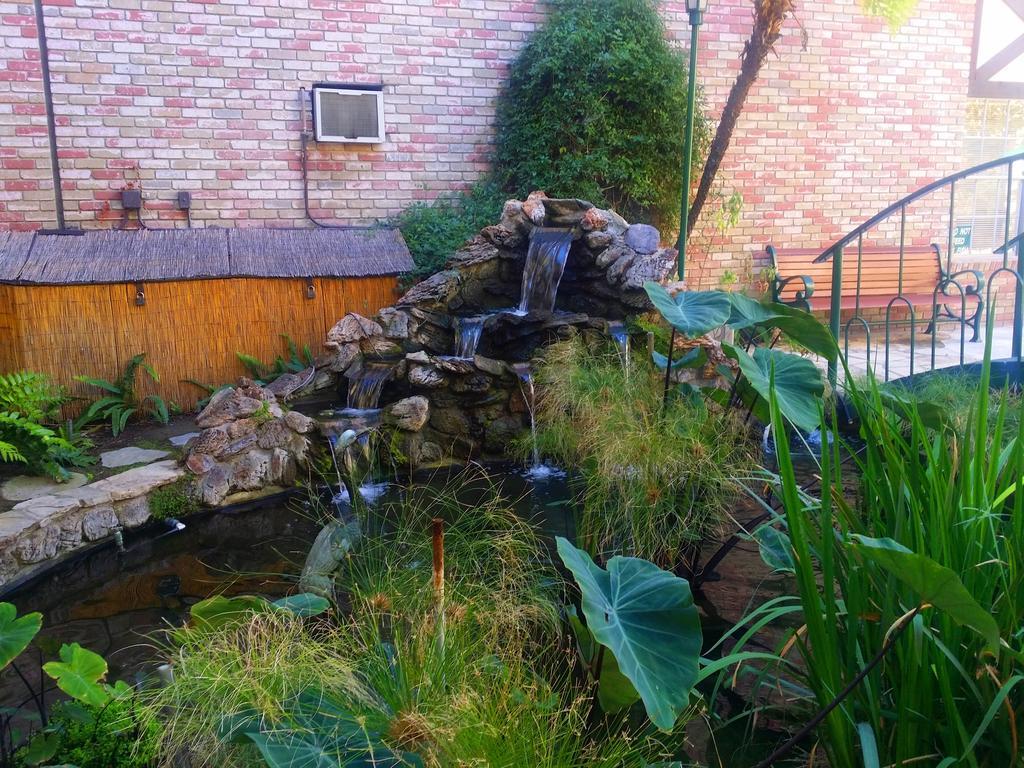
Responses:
[801,298]
[977,288]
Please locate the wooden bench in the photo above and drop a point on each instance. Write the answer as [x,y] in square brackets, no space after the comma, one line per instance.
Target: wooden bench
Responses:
[802,283]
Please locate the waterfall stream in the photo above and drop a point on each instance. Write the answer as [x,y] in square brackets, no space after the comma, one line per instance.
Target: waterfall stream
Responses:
[467,336]
[365,386]
[537,470]
[545,263]
[617,331]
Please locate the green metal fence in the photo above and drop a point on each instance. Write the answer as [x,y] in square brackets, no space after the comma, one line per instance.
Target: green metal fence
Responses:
[930,215]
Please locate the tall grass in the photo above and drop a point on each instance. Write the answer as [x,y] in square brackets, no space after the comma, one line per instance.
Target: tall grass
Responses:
[655,479]
[499,690]
[938,697]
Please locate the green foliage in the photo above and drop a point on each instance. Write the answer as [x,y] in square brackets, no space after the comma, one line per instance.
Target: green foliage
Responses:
[645,617]
[655,479]
[794,381]
[117,735]
[296,362]
[379,680]
[929,536]
[692,313]
[172,500]
[895,12]
[595,108]
[952,399]
[121,401]
[32,395]
[78,674]
[435,230]
[16,633]
[797,382]
[100,727]
[39,448]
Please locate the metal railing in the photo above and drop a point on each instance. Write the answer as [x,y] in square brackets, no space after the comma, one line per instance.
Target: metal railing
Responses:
[950,297]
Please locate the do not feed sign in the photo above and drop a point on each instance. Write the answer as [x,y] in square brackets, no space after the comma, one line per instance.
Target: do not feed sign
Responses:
[962,238]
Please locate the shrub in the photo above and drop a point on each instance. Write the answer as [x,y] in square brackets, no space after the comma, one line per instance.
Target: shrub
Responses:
[433,231]
[118,734]
[596,108]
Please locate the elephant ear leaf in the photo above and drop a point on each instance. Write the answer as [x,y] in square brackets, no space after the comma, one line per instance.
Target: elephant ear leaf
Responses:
[692,313]
[934,584]
[800,326]
[304,605]
[78,674]
[16,632]
[647,619]
[795,382]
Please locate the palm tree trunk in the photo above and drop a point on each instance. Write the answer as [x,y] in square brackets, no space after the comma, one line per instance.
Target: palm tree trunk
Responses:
[768,18]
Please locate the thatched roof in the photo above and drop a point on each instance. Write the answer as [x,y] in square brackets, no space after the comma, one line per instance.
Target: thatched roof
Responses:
[114,256]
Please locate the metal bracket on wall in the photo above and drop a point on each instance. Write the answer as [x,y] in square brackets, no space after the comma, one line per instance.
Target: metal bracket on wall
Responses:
[310,288]
[140,295]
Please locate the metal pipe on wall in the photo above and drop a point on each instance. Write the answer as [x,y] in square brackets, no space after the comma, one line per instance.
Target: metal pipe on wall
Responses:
[51,124]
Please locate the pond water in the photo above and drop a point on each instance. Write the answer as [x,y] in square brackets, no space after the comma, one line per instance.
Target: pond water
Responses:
[118,603]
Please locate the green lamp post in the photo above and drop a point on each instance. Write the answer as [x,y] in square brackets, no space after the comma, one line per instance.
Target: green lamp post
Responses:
[696,9]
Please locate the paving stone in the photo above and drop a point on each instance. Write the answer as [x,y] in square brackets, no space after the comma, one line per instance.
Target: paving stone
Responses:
[180,440]
[124,457]
[24,487]
[141,480]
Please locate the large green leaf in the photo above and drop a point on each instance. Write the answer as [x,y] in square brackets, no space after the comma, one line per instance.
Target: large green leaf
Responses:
[303,605]
[934,584]
[292,750]
[800,326]
[16,633]
[692,313]
[614,691]
[776,548]
[798,384]
[218,611]
[78,674]
[42,747]
[646,617]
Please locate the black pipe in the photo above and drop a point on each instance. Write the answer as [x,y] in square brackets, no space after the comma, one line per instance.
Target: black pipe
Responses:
[51,125]
[304,138]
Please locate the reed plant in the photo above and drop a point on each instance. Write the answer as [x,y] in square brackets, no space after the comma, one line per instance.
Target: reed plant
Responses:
[655,478]
[911,586]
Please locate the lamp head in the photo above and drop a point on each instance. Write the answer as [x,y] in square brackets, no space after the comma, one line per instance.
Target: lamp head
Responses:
[696,9]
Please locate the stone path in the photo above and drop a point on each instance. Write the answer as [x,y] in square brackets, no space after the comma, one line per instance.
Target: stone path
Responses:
[125,457]
[947,352]
[24,487]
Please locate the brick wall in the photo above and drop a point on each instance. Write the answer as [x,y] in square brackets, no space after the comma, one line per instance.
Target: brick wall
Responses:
[203,96]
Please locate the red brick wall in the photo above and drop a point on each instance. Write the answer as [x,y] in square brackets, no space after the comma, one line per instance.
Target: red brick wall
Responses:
[203,96]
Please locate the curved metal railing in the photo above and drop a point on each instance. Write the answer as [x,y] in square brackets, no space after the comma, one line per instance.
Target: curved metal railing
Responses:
[950,298]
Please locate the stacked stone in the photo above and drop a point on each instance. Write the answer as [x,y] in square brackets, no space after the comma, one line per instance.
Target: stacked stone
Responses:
[441,406]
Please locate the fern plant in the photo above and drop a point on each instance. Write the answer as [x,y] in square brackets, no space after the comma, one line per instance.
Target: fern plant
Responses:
[121,401]
[23,441]
[265,373]
[32,394]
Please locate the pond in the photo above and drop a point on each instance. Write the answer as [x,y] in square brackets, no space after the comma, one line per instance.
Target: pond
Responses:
[118,603]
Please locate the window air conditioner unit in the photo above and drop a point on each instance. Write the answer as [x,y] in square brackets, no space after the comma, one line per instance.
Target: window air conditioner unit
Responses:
[349,114]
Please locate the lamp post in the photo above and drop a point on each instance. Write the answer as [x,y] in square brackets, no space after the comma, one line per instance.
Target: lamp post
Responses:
[696,9]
